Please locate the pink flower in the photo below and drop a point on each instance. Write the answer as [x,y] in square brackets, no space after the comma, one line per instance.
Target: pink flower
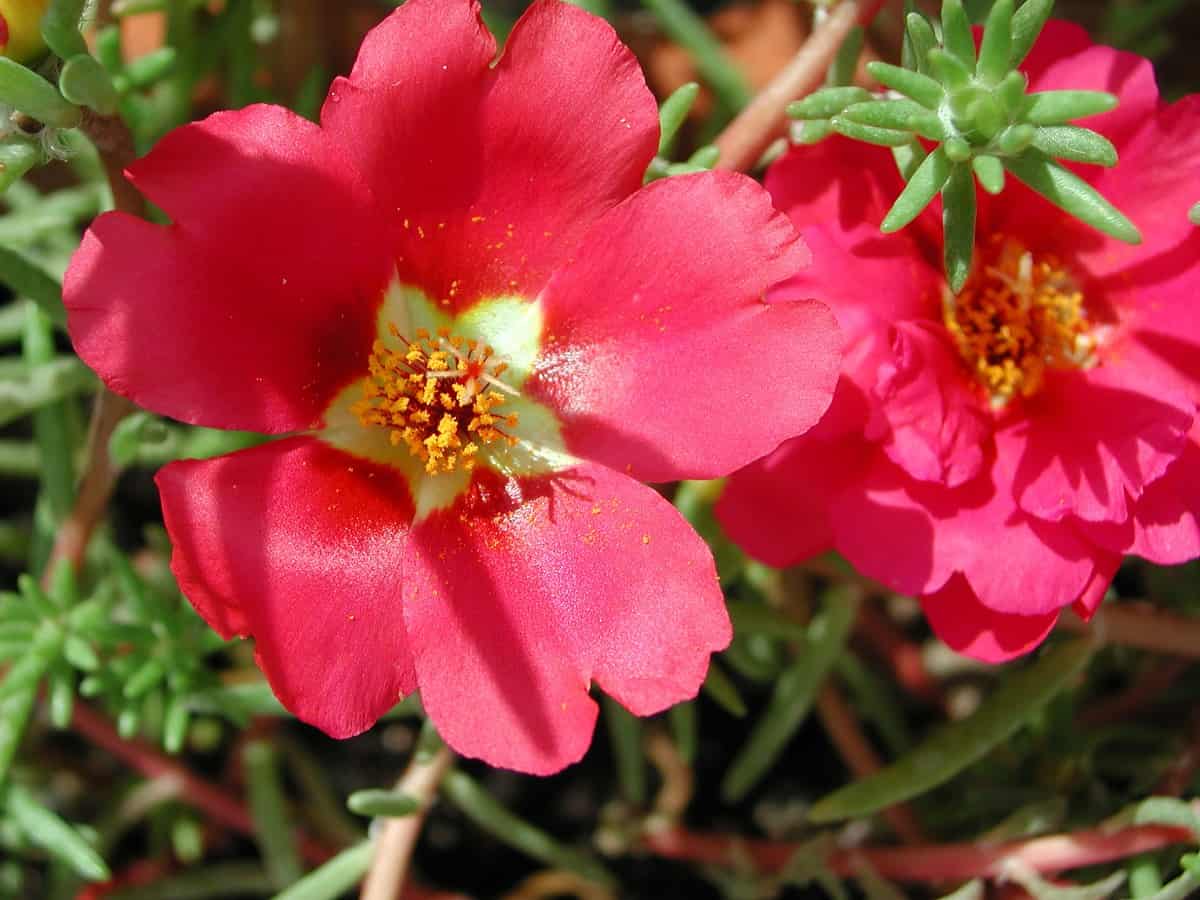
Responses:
[476,329]
[997,453]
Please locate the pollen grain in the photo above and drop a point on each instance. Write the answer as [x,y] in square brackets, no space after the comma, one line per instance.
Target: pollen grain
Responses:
[1017,317]
[439,396]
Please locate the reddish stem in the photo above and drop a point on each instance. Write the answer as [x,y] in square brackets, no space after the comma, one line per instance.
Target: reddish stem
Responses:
[933,863]
[743,142]
[220,805]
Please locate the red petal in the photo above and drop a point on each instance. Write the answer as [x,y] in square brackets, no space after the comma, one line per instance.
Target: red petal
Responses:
[836,193]
[257,305]
[777,509]
[1090,438]
[972,629]
[497,171]
[519,597]
[1165,524]
[658,342]
[937,428]
[300,546]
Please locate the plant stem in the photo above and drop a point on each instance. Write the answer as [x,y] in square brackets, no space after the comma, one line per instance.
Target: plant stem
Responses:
[1143,626]
[860,757]
[220,805]
[114,142]
[742,143]
[932,863]
[394,846]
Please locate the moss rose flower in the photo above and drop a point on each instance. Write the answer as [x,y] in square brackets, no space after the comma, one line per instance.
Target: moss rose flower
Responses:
[996,452]
[475,330]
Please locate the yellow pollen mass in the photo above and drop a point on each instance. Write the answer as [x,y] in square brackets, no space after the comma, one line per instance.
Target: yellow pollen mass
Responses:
[1017,316]
[437,394]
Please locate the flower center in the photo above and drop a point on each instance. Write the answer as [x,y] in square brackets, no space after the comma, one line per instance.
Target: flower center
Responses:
[437,395]
[1017,316]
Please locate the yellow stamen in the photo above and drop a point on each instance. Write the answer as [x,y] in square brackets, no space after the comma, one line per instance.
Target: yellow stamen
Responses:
[435,400]
[1017,316]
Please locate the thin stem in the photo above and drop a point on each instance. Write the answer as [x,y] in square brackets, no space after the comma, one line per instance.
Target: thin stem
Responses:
[220,805]
[1144,626]
[933,863]
[394,847]
[860,757]
[114,142]
[742,143]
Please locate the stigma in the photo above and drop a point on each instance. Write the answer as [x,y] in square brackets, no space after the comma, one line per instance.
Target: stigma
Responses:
[439,395]
[1018,316]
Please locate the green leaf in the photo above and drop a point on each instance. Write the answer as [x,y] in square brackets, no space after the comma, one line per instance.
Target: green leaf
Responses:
[884,137]
[14,716]
[1160,811]
[793,695]
[481,808]
[684,729]
[959,744]
[268,808]
[925,183]
[1069,192]
[376,802]
[46,830]
[25,90]
[685,26]
[827,102]
[1041,889]
[84,82]
[335,877]
[919,87]
[1060,107]
[949,70]
[1179,888]
[18,154]
[920,34]
[705,157]
[45,384]
[718,686]
[956,33]
[672,113]
[901,115]
[990,172]
[1016,139]
[625,736]
[153,67]
[29,280]
[972,890]
[909,158]
[1027,24]
[750,617]
[1075,144]
[996,49]
[60,27]
[958,225]
[1194,214]
[845,63]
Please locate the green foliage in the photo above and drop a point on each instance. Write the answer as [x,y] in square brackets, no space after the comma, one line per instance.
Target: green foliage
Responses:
[978,112]
[962,743]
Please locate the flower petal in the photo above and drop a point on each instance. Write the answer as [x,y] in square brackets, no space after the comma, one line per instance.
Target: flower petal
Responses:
[1165,525]
[494,172]
[836,193]
[972,629]
[777,509]
[299,546]
[937,429]
[657,338]
[1090,438]
[527,591]
[257,305]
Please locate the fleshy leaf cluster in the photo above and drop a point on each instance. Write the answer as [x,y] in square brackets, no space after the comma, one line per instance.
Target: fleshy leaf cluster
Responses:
[954,115]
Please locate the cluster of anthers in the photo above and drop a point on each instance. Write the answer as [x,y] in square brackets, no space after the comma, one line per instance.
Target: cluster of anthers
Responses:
[1016,317]
[437,395]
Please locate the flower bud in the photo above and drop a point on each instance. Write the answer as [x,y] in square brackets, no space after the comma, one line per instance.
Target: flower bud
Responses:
[20,29]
